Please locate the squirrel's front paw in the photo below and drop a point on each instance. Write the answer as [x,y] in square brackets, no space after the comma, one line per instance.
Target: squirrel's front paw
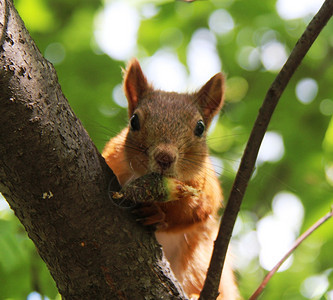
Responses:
[150,215]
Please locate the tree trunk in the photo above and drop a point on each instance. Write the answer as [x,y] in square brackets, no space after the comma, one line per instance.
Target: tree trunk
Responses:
[57,183]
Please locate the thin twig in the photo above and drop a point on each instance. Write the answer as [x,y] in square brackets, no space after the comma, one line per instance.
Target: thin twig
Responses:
[210,289]
[296,244]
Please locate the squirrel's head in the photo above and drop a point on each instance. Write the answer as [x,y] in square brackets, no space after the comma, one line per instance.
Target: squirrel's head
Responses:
[167,130]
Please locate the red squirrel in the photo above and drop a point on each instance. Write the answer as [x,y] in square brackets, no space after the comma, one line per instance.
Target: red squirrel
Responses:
[167,135]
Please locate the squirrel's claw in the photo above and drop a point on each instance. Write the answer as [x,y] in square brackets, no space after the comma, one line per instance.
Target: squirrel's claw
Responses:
[149,215]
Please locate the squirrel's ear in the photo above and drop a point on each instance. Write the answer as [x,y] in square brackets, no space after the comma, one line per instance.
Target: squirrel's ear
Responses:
[210,97]
[135,84]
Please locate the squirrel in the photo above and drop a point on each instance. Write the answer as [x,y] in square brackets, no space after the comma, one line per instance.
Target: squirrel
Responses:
[167,135]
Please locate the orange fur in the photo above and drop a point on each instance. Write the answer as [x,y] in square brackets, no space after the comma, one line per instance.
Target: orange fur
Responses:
[165,137]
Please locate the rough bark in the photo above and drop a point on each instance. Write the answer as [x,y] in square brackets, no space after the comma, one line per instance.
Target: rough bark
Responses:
[56,182]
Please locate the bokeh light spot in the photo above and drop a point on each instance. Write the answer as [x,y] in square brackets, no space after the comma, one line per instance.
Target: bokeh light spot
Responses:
[297,8]
[272,148]
[165,71]
[55,53]
[306,90]
[116,30]
[237,88]
[273,56]
[326,107]
[202,57]
[221,22]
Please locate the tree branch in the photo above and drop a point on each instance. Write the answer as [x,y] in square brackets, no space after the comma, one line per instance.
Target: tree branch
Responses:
[210,289]
[56,182]
[307,233]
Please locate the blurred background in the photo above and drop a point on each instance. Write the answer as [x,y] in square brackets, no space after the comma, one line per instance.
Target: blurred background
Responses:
[180,45]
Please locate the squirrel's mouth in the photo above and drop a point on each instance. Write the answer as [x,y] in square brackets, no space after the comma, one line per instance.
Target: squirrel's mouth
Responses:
[166,173]
[170,172]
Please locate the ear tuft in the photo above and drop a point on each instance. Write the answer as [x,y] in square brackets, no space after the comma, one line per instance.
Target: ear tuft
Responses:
[135,84]
[210,97]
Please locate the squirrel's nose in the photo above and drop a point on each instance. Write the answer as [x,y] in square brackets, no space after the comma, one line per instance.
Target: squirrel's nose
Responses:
[165,159]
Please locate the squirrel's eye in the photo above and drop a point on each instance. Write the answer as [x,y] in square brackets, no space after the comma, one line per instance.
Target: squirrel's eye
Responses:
[134,122]
[199,128]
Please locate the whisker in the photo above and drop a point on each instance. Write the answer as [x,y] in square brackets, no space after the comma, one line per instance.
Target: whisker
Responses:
[222,137]
[204,166]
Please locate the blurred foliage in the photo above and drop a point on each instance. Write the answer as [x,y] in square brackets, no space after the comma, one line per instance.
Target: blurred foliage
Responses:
[88,77]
